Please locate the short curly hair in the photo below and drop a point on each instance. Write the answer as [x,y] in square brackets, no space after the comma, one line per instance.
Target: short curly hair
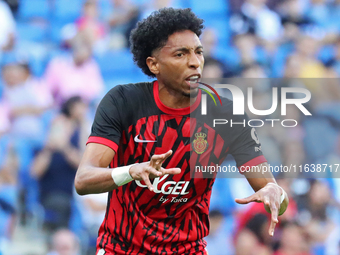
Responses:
[153,32]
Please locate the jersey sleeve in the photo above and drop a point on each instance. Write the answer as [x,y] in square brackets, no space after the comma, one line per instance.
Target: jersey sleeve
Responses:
[246,148]
[107,125]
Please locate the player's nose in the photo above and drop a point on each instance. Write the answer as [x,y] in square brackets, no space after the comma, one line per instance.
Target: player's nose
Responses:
[194,61]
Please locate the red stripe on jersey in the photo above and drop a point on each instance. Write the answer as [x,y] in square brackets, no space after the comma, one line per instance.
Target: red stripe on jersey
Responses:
[178,156]
[131,146]
[218,146]
[169,137]
[162,121]
[103,141]
[168,110]
[254,162]
[193,162]
[150,136]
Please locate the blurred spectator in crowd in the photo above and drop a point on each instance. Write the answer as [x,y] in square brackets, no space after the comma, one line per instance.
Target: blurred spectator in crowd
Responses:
[255,17]
[56,164]
[254,238]
[64,242]
[303,63]
[293,11]
[214,70]
[209,41]
[335,61]
[219,238]
[306,52]
[293,241]
[27,98]
[8,193]
[292,67]
[76,74]
[245,52]
[14,5]
[4,118]
[246,47]
[122,20]
[316,214]
[335,9]
[154,5]
[293,18]
[89,26]
[255,70]
[7,27]
[321,13]
[92,208]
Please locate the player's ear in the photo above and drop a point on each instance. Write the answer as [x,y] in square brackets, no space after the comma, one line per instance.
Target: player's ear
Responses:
[152,63]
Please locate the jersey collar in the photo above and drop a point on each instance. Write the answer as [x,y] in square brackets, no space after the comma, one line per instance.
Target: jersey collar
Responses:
[173,111]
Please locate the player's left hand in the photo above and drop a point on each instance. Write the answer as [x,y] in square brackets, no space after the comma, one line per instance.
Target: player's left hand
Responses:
[270,195]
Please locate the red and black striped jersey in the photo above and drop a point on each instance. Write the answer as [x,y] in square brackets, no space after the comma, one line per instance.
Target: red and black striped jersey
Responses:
[173,219]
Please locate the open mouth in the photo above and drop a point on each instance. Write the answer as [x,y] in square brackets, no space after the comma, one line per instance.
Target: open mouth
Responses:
[193,81]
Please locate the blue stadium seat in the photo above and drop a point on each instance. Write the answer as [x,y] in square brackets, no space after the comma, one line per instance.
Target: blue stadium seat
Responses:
[212,7]
[105,7]
[221,197]
[326,53]
[38,66]
[221,26]
[280,58]
[1,87]
[134,75]
[30,31]
[55,31]
[116,63]
[34,9]
[8,207]
[320,138]
[66,11]
[139,2]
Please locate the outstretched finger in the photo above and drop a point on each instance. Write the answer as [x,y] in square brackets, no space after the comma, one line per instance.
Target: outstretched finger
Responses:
[147,181]
[153,171]
[159,159]
[174,170]
[273,221]
[252,198]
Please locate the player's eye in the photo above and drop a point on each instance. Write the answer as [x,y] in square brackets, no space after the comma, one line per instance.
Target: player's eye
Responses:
[179,55]
[200,52]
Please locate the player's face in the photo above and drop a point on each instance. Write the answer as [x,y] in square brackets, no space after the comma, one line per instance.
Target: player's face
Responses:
[180,63]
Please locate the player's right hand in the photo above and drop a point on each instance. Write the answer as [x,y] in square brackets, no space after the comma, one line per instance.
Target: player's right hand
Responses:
[152,169]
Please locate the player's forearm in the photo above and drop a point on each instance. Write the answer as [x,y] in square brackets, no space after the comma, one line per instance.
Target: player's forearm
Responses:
[259,183]
[259,179]
[93,180]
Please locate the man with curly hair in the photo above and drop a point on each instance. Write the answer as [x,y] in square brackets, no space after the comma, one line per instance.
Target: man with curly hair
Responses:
[142,132]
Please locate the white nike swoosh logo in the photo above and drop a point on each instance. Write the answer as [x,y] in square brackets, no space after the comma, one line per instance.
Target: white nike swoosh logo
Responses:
[137,140]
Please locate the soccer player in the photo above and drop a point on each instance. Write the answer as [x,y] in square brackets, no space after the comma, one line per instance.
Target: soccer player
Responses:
[142,132]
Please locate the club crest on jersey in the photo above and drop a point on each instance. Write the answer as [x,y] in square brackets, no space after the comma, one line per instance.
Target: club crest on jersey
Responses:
[200,143]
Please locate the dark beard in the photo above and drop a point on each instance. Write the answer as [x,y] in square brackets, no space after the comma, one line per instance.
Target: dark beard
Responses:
[191,94]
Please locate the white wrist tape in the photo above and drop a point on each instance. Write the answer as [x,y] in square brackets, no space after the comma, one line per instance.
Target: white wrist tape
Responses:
[121,175]
[283,192]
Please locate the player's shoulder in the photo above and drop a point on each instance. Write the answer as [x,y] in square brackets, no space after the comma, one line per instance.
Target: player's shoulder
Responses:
[226,101]
[131,88]
[131,91]
[219,103]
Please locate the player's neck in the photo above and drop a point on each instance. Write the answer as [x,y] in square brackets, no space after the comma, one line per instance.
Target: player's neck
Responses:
[174,99]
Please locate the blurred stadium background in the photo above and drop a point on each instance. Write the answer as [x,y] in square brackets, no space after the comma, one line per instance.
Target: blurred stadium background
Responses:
[59,57]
